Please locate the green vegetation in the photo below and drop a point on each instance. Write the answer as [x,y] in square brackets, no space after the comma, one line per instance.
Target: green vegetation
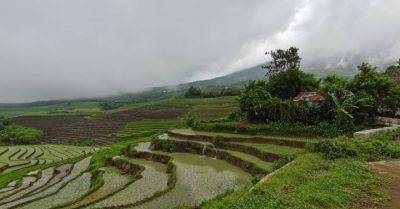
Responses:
[309,182]
[274,128]
[50,108]
[17,135]
[232,140]
[144,128]
[272,148]
[211,92]
[378,147]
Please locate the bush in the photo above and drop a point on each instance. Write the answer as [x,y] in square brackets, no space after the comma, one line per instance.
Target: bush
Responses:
[286,84]
[380,146]
[218,139]
[382,93]
[190,121]
[276,128]
[18,135]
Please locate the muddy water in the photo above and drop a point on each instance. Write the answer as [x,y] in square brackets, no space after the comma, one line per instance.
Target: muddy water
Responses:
[199,178]
[154,179]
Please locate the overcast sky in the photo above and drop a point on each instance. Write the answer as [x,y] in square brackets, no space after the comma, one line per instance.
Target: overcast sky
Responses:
[58,49]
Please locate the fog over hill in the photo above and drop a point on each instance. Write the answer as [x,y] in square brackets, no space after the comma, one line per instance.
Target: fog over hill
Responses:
[63,49]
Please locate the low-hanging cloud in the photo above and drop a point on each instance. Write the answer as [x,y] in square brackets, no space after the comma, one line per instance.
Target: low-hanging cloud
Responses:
[58,49]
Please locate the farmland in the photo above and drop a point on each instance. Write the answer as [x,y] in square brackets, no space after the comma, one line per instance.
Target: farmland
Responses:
[145,156]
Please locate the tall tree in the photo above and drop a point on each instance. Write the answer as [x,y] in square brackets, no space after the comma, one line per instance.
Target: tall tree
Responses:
[282,60]
[381,93]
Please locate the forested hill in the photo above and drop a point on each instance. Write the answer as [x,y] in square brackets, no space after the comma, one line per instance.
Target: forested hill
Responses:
[253,73]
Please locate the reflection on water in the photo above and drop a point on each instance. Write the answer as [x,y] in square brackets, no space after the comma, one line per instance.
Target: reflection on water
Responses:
[143,147]
[199,178]
[154,179]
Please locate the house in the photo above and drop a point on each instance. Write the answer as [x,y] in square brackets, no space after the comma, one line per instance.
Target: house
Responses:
[309,97]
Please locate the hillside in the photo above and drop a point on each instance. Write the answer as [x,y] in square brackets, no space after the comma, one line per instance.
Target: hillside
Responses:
[253,73]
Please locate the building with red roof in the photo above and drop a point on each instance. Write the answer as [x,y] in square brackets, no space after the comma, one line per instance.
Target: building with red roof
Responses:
[309,97]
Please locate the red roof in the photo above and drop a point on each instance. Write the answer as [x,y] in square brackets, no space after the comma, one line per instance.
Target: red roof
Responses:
[308,96]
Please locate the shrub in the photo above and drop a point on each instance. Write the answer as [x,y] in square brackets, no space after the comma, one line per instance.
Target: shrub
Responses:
[380,146]
[286,84]
[218,139]
[190,121]
[18,135]
[276,128]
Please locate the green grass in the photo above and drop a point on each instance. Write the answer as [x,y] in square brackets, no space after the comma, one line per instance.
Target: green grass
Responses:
[144,128]
[272,148]
[201,108]
[267,166]
[191,132]
[16,134]
[309,182]
[64,108]
[98,158]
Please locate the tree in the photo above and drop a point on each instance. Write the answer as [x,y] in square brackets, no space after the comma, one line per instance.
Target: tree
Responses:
[192,92]
[287,84]
[254,100]
[282,60]
[334,84]
[380,93]
[343,108]
[393,71]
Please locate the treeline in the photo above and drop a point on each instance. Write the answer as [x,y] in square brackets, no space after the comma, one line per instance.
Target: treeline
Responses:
[329,107]
[347,102]
[211,92]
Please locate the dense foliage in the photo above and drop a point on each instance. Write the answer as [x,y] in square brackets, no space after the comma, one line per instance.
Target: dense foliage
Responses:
[283,60]
[274,128]
[347,102]
[211,92]
[287,84]
[381,93]
[109,105]
[16,135]
[378,147]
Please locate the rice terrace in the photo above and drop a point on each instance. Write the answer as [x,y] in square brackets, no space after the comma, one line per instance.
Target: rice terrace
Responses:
[186,104]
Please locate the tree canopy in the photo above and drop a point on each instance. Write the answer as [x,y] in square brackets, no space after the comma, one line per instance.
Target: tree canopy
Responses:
[283,60]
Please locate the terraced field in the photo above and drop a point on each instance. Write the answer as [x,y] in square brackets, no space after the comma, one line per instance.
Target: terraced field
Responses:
[260,151]
[198,167]
[13,158]
[148,127]
[101,129]
[188,178]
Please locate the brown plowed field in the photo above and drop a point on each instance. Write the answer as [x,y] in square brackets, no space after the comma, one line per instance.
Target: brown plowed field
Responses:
[101,130]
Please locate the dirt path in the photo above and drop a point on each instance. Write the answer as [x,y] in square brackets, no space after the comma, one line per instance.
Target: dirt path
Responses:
[390,172]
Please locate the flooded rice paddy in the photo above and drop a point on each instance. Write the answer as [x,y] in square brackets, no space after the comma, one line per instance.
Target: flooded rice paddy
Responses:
[199,178]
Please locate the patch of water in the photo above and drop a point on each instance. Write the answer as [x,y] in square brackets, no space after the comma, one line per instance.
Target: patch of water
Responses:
[154,179]
[198,179]
[143,147]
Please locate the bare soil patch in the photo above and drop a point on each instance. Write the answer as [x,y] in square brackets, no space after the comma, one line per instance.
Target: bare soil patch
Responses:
[100,130]
[390,172]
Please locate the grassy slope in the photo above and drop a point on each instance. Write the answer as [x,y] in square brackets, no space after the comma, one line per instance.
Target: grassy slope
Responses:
[310,182]
[276,149]
[202,108]
[65,108]
[191,132]
[143,128]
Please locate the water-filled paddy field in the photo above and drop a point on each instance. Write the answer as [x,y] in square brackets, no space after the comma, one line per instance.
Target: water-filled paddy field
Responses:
[171,171]
[199,178]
